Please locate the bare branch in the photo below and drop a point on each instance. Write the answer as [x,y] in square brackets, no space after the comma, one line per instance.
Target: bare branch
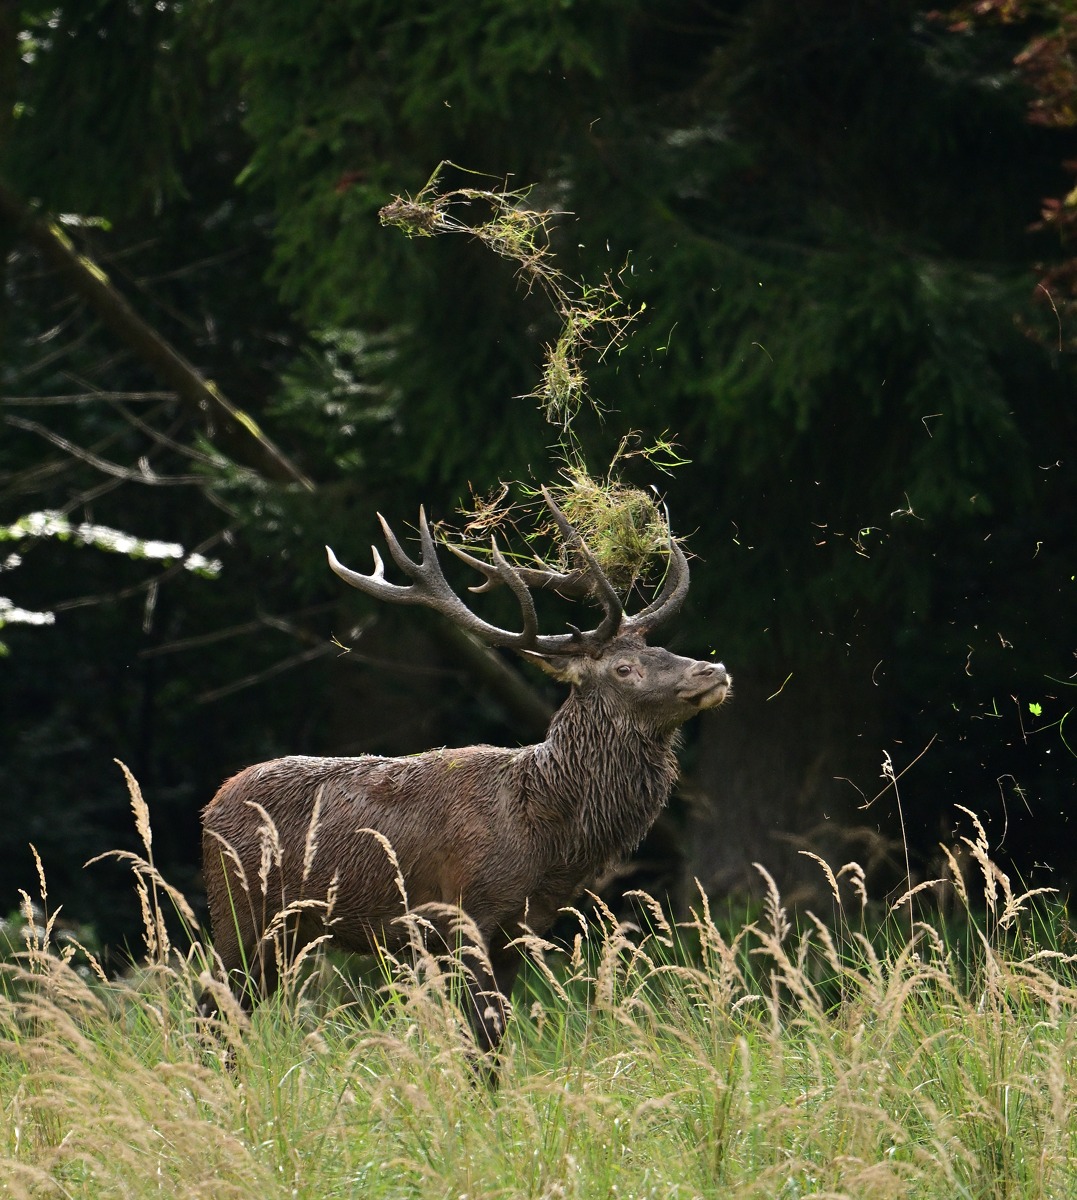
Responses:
[88,281]
[163,439]
[258,625]
[77,398]
[256,677]
[142,475]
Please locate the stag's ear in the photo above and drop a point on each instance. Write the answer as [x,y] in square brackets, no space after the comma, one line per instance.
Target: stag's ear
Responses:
[564,667]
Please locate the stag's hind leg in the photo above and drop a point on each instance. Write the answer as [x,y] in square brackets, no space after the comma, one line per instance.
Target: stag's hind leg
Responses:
[489,987]
[248,964]
[480,972]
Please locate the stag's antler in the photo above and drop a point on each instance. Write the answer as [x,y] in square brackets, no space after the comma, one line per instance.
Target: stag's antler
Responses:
[430,587]
[669,599]
[581,584]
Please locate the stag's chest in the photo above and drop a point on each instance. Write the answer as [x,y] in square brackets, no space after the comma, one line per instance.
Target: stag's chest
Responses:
[581,819]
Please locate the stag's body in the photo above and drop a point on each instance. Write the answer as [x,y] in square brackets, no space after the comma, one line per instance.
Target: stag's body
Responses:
[508,836]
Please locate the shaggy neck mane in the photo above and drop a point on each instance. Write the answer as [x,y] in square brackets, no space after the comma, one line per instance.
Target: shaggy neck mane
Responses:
[599,780]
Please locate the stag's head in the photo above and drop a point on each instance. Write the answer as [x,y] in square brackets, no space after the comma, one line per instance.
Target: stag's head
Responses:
[612,661]
[650,685]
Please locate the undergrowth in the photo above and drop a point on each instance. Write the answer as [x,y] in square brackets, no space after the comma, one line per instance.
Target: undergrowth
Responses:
[645,1058]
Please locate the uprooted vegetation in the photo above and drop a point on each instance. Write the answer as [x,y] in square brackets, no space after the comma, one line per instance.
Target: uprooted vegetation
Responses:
[593,317]
[648,1058]
[626,528]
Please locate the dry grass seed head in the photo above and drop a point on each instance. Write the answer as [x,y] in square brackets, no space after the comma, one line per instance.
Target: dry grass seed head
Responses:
[23,1181]
[772,906]
[870,958]
[826,871]
[310,844]
[154,936]
[150,885]
[43,887]
[957,877]
[907,896]
[394,862]
[270,850]
[929,934]
[35,936]
[228,851]
[281,935]
[139,808]
[830,950]
[661,929]
[980,849]
[1016,905]
[788,973]
[721,960]
[537,949]
[38,937]
[230,1015]
[857,881]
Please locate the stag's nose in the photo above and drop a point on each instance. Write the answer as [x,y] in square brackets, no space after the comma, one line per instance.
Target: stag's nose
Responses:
[708,684]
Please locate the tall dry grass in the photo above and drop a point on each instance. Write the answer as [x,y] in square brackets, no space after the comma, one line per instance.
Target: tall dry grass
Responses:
[777,1058]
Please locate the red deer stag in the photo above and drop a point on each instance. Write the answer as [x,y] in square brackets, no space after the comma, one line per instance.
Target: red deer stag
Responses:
[508,836]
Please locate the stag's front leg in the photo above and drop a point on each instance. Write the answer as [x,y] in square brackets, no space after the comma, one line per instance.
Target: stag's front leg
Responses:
[490,978]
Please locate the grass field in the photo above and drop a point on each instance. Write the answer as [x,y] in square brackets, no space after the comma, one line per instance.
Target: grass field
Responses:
[643,1060]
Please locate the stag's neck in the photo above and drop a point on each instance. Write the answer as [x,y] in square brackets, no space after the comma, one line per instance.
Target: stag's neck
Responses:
[597,783]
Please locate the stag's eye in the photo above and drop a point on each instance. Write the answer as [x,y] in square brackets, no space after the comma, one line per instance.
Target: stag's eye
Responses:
[624,670]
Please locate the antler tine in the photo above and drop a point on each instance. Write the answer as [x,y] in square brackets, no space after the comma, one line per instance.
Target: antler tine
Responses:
[493,576]
[374,584]
[425,573]
[411,568]
[570,584]
[608,598]
[672,595]
[429,586]
[519,590]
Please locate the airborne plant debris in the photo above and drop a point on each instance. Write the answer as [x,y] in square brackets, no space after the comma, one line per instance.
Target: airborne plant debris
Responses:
[593,317]
[624,527]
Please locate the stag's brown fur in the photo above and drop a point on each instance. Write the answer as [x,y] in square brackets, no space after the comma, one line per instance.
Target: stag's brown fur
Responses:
[509,836]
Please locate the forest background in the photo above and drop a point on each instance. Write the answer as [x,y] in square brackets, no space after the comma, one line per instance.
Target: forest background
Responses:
[847,232]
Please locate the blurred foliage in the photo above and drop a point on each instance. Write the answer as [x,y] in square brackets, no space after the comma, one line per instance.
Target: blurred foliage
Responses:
[822,217]
[1047,62]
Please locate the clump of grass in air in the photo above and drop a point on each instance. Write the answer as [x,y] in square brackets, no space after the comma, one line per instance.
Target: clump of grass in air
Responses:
[594,317]
[625,528]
